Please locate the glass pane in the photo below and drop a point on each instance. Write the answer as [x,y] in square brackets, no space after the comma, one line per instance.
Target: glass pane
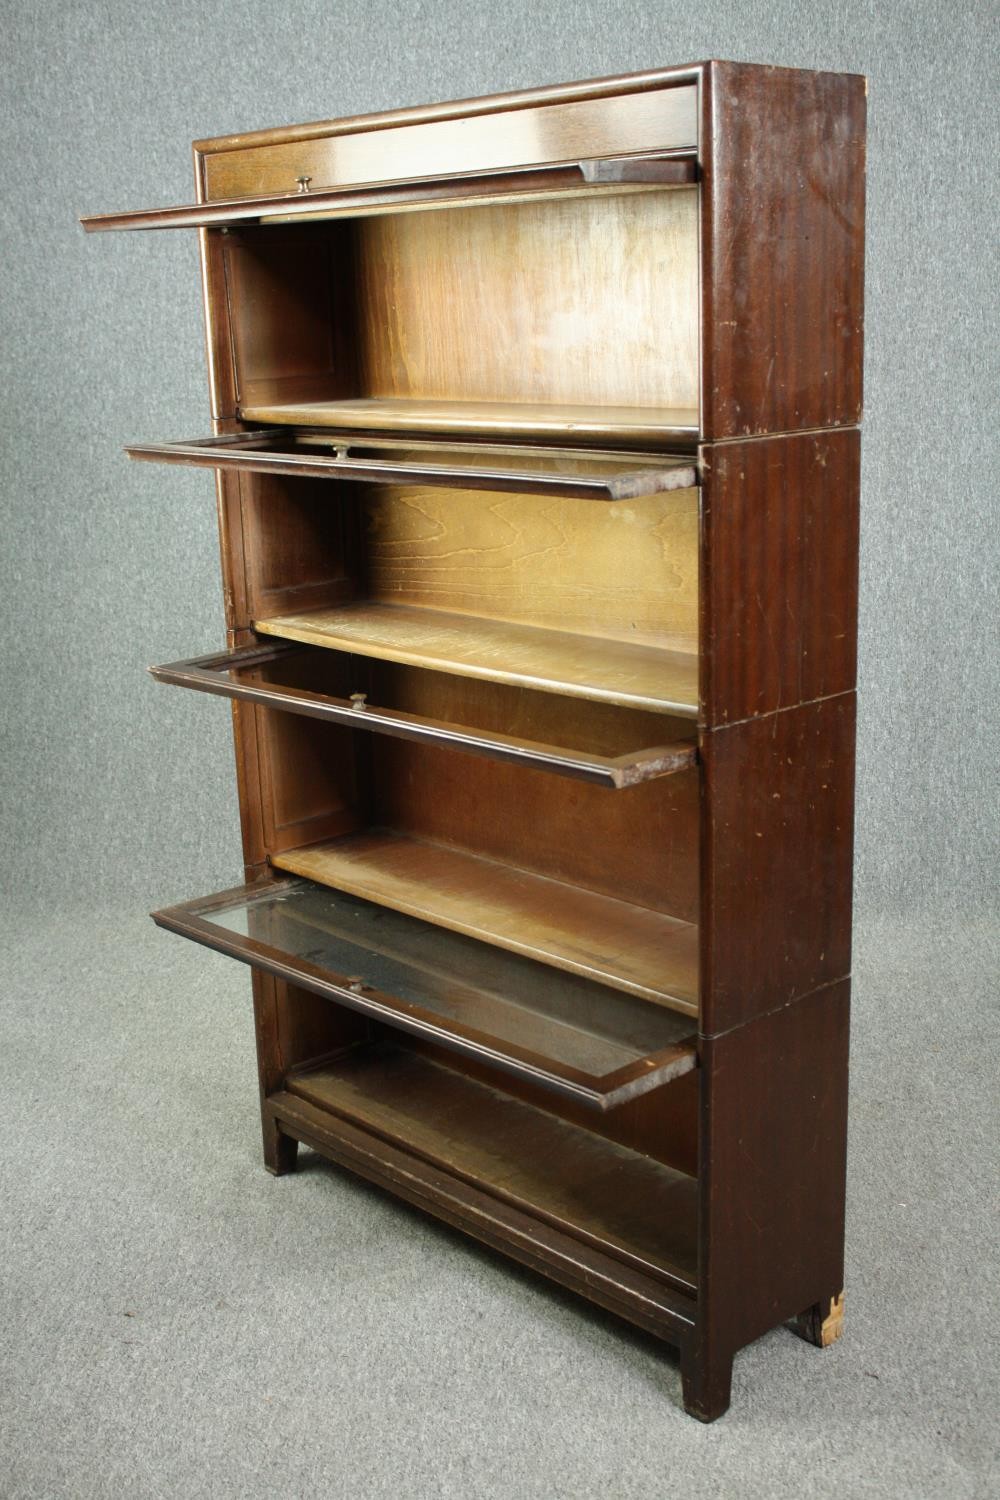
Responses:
[574,1023]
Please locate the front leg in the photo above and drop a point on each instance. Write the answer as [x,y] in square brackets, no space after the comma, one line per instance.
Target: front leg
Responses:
[706,1381]
[280,1150]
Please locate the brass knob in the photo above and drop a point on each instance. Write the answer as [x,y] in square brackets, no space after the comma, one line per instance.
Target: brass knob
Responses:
[303,183]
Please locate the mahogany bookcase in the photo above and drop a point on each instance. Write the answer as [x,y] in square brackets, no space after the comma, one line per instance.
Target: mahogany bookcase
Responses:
[535,430]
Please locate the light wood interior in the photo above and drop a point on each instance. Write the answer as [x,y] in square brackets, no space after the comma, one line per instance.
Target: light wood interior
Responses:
[547,718]
[520,599]
[580,666]
[627,571]
[591,303]
[521,419]
[630,948]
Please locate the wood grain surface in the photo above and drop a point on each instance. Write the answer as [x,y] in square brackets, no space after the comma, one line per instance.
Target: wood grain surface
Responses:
[627,947]
[638,676]
[582,1183]
[563,130]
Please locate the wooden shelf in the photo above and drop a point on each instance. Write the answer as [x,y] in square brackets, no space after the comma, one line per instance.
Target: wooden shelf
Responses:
[617,944]
[625,1204]
[556,661]
[663,426]
[527,1019]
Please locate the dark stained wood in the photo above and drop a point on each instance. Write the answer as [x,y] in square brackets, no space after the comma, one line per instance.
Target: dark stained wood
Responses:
[290,312]
[543,180]
[709,1210]
[218,328]
[565,1034]
[773,1154]
[309,784]
[259,676]
[662,1124]
[293,1025]
[777,847]
[639,848]
[619,1202]
[822,1323]
[779,596]
[604,1279]
[582,476]
[782,213]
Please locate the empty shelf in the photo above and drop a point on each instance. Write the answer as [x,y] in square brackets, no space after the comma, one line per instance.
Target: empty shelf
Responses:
[579,1039]
[616,1200]
[623,946]
[637,424]
[579,666]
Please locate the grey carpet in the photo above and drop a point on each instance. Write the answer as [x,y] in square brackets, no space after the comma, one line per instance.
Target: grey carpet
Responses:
[175,1322]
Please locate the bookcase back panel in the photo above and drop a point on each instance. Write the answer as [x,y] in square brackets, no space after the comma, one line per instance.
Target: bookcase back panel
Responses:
[547,718]
[570,302]
[320,781]
[587,302]
[662,1124]
[628,570]
[639,845]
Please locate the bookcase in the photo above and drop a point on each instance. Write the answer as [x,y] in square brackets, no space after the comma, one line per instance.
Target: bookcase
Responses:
[535,427]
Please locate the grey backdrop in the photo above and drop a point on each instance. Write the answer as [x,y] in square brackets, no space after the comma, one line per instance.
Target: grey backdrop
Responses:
[118,790]
[172,1321]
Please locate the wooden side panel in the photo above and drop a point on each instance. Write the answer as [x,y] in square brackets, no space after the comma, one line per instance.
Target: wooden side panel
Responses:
[291,310]
[773,1153]
[299,543]
[308,785]
[777,847]
[218,332]
[779,593]
[783,204]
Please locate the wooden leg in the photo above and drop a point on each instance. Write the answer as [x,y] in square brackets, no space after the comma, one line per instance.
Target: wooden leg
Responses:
[706,1381]
[280,1150]
[823,1323]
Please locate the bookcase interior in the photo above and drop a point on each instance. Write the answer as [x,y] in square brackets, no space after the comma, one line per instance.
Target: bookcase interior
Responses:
[591,307]
[596,602]
[602,886]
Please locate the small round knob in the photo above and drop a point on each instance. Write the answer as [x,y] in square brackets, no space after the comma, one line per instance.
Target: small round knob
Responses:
[358,701]
[303,183]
